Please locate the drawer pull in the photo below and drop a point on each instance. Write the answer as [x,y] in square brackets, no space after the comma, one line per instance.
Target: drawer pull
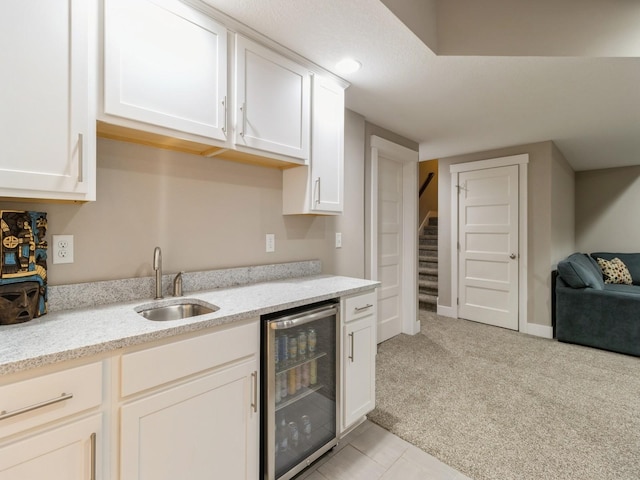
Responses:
[360,309]
[65,396]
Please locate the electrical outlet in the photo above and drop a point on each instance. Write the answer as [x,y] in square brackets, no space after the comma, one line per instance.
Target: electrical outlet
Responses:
[338,240]
[62,249]
[271,242]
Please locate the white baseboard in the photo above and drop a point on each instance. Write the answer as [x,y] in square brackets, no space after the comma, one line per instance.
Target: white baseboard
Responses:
[451,312]
[544,331]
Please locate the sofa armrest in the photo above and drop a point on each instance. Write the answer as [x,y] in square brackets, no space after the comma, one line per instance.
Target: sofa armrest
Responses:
[598,318]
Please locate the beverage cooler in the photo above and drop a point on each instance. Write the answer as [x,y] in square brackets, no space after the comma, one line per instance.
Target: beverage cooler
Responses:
[299,388]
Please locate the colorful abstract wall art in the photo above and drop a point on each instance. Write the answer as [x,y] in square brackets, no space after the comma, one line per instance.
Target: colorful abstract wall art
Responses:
[23,266]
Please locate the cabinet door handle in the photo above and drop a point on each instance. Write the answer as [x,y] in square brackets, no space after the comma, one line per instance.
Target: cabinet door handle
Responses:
[351,357]
[65,396]
[224,104]
[80,157]
[317,185]
[243,109]
[93,456]
[254,403]
[360,309]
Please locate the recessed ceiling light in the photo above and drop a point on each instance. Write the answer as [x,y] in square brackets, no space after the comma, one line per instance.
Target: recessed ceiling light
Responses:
[348,65]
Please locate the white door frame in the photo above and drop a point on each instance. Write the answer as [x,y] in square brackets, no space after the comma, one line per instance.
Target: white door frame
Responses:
[409,158]
[521,161]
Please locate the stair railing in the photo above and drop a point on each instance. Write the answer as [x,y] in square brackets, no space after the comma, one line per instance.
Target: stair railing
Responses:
[424,186]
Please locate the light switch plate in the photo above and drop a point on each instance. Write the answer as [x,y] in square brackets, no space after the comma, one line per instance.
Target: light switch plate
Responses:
[270,242]
[338,240]
[62,248]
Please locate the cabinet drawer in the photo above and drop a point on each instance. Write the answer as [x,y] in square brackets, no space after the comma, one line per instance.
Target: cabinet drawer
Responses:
[39,400]
[359,306]
[165,363]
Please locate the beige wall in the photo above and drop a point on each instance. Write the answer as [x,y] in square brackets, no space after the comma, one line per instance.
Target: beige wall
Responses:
[607,210]
[204,214]
[537,28]
[563,210]
[349,260]
[540,239]
[428,202]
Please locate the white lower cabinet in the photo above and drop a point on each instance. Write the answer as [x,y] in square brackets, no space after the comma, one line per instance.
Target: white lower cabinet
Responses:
[66,452]
[358,358]
[51,425]
[200,427]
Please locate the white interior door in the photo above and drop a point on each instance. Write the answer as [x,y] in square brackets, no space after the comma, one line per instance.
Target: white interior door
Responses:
[390,231]
[488,246]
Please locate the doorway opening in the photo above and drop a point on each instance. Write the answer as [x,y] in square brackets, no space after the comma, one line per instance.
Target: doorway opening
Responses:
[428,236]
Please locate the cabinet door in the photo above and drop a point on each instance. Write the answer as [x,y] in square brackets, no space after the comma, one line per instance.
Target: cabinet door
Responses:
[66,452]
[327,151]
[47,122]
[166,65]
[202,429]
[272,101]
[359,369]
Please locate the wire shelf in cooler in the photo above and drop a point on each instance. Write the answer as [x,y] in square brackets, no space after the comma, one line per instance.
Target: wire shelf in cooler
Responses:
[289,364]
[291,399]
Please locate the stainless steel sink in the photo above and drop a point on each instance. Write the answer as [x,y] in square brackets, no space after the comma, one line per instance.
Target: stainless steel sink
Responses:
[175,309]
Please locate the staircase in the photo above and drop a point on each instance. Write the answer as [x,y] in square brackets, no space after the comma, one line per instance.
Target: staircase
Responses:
[428,266]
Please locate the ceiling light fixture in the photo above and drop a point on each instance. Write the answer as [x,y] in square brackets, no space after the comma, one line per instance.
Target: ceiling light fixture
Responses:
[348,65]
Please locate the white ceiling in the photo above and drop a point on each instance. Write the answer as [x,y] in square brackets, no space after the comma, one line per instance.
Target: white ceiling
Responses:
[477,98]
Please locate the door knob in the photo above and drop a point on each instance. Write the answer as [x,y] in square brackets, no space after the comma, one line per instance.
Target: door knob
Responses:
[512,256]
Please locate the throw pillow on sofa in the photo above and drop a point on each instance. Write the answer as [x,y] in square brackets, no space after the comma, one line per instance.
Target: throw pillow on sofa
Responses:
[615,271]
[631,260]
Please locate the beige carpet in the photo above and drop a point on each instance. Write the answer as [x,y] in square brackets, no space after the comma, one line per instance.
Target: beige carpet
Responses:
[497,404]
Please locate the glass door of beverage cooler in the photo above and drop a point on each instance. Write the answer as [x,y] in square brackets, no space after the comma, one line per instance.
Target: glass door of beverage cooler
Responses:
[300,421]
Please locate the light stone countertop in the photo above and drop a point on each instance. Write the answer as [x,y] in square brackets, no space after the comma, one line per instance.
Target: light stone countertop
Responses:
[70,334]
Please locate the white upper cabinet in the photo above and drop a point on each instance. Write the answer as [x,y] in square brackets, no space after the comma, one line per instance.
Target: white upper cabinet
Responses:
[319,187]
[327,151]
[47,122]
[272,108]
[165,64]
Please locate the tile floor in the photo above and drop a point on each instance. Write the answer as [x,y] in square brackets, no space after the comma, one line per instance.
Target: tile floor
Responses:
[372,453]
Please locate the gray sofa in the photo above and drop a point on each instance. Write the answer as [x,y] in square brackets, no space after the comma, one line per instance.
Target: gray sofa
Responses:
[593,313]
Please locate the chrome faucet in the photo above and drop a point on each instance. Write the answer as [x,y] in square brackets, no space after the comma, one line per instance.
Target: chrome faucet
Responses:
[157,266]
[177,285]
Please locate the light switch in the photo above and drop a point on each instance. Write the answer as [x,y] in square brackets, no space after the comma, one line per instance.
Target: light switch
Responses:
[271,242]
[338,240]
